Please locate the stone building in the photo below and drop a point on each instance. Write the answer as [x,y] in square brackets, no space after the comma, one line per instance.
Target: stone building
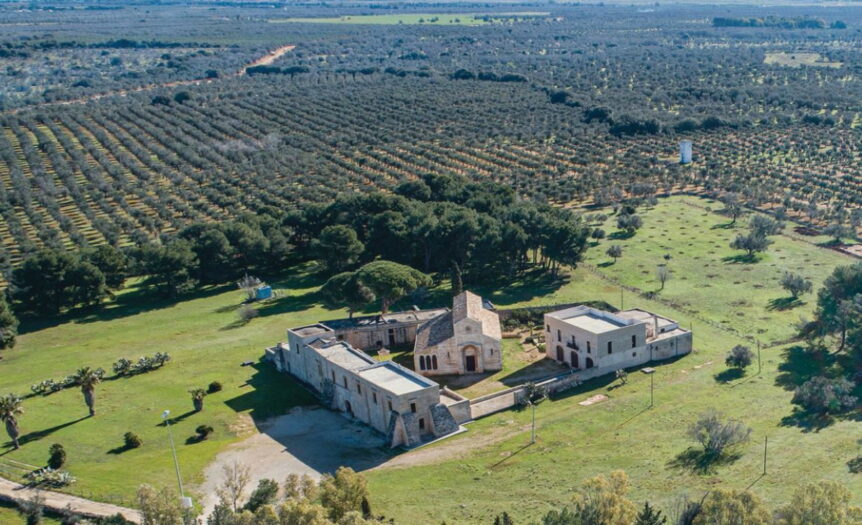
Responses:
[408,408]
[583,337]
[465,340]
[373,332]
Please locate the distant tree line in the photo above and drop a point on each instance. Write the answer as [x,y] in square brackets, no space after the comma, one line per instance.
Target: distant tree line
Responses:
[800,22]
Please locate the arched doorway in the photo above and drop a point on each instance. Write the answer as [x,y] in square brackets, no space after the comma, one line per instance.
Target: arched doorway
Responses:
[470,358]
[574,360]
[590,362]
[561,357]
[348,408]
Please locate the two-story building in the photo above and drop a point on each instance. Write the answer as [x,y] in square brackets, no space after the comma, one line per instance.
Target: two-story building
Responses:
[583,337]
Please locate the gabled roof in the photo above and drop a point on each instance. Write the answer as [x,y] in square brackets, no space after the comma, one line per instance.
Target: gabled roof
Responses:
[465,305]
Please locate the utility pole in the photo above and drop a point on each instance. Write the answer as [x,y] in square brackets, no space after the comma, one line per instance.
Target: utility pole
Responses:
[533,435]
[184,501]
[765,441]
[651,389]
[622,303]
[759,365]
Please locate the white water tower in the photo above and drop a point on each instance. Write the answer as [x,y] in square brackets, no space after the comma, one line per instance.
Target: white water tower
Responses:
[685,152]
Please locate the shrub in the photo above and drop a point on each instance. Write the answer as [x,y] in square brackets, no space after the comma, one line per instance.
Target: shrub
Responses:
[122,367]
[739,357]
[823,395]
[203,432]
[247,313]
[214,387]
[57,456]
[264,494]
[716,435]
[51,477]
[132,440]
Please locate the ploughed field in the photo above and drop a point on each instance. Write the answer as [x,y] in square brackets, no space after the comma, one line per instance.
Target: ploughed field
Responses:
[493,471]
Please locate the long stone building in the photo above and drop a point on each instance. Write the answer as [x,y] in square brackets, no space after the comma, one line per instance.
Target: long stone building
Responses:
[583,338]
[372,332]
[408,408]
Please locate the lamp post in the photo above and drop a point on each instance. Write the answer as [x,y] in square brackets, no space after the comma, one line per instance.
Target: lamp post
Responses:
[184,501]
[533,436]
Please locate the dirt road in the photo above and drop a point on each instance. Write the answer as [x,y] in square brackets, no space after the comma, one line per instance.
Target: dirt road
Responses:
[56,501]
[265,60]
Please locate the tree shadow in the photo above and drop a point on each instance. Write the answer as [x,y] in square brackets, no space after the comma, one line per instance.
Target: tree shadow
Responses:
[723,226]
[134,300]
[606,264]
[289,303]
[728,375]
[807,421]
[119,450]
[800,365]
[534,283]
[621,235]
[784,303]
[269,392]
[699,462]
[743,258]
[39,434]
[855,465]
[176,419]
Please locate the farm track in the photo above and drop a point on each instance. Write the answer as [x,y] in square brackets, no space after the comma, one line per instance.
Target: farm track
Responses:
[266,59]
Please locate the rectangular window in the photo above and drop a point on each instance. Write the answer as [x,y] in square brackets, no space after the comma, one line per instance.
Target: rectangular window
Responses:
[345,381]
[421,424]
[358,388]
[413,407]
[374,397]
[548,327]
[333,376]
[634,341]
[589,347]
[389,402]
[610,347]
[559,336]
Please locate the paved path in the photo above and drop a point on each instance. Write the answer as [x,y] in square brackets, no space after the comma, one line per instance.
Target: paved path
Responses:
[56,501]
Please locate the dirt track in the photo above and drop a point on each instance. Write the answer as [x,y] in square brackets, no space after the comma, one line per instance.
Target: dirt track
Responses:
[56,501]
[265,60]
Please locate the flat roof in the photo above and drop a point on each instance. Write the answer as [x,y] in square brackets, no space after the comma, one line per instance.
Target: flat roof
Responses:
[592,323]
[345,356]
[312,329]
[409,316]
[395,379]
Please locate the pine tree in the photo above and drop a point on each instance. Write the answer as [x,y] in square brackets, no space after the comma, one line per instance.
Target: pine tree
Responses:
[8,325]
[650,516]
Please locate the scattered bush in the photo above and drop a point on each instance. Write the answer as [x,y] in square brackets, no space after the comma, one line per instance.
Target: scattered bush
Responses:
[717,435]
[739,357]
[132,440]
[214,387]
[50,477]
[57,456]
[822,395]
[264,494]
[203,432]
[247,313]
[122,367]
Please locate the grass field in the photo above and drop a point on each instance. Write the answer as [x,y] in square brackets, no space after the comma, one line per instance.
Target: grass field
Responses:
[575,442]
[450,19]
[799,60]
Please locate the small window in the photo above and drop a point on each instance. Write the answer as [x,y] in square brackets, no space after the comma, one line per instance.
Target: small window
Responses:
[413,407]
[468,329]
[559,336]
[339,337]
[589,347]
[389,402]
[610,347]
[358,388]
[634,341]
[345,381]
[374,397]
[492,351]
[421,424]
[548,327]
[333,376]
[634,354]
[421,362]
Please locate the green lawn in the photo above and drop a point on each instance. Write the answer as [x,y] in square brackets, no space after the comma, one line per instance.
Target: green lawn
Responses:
[9,516]
[463,19]
[576,442]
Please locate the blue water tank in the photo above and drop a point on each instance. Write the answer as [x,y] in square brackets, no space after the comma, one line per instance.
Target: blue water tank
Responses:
[263,292]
